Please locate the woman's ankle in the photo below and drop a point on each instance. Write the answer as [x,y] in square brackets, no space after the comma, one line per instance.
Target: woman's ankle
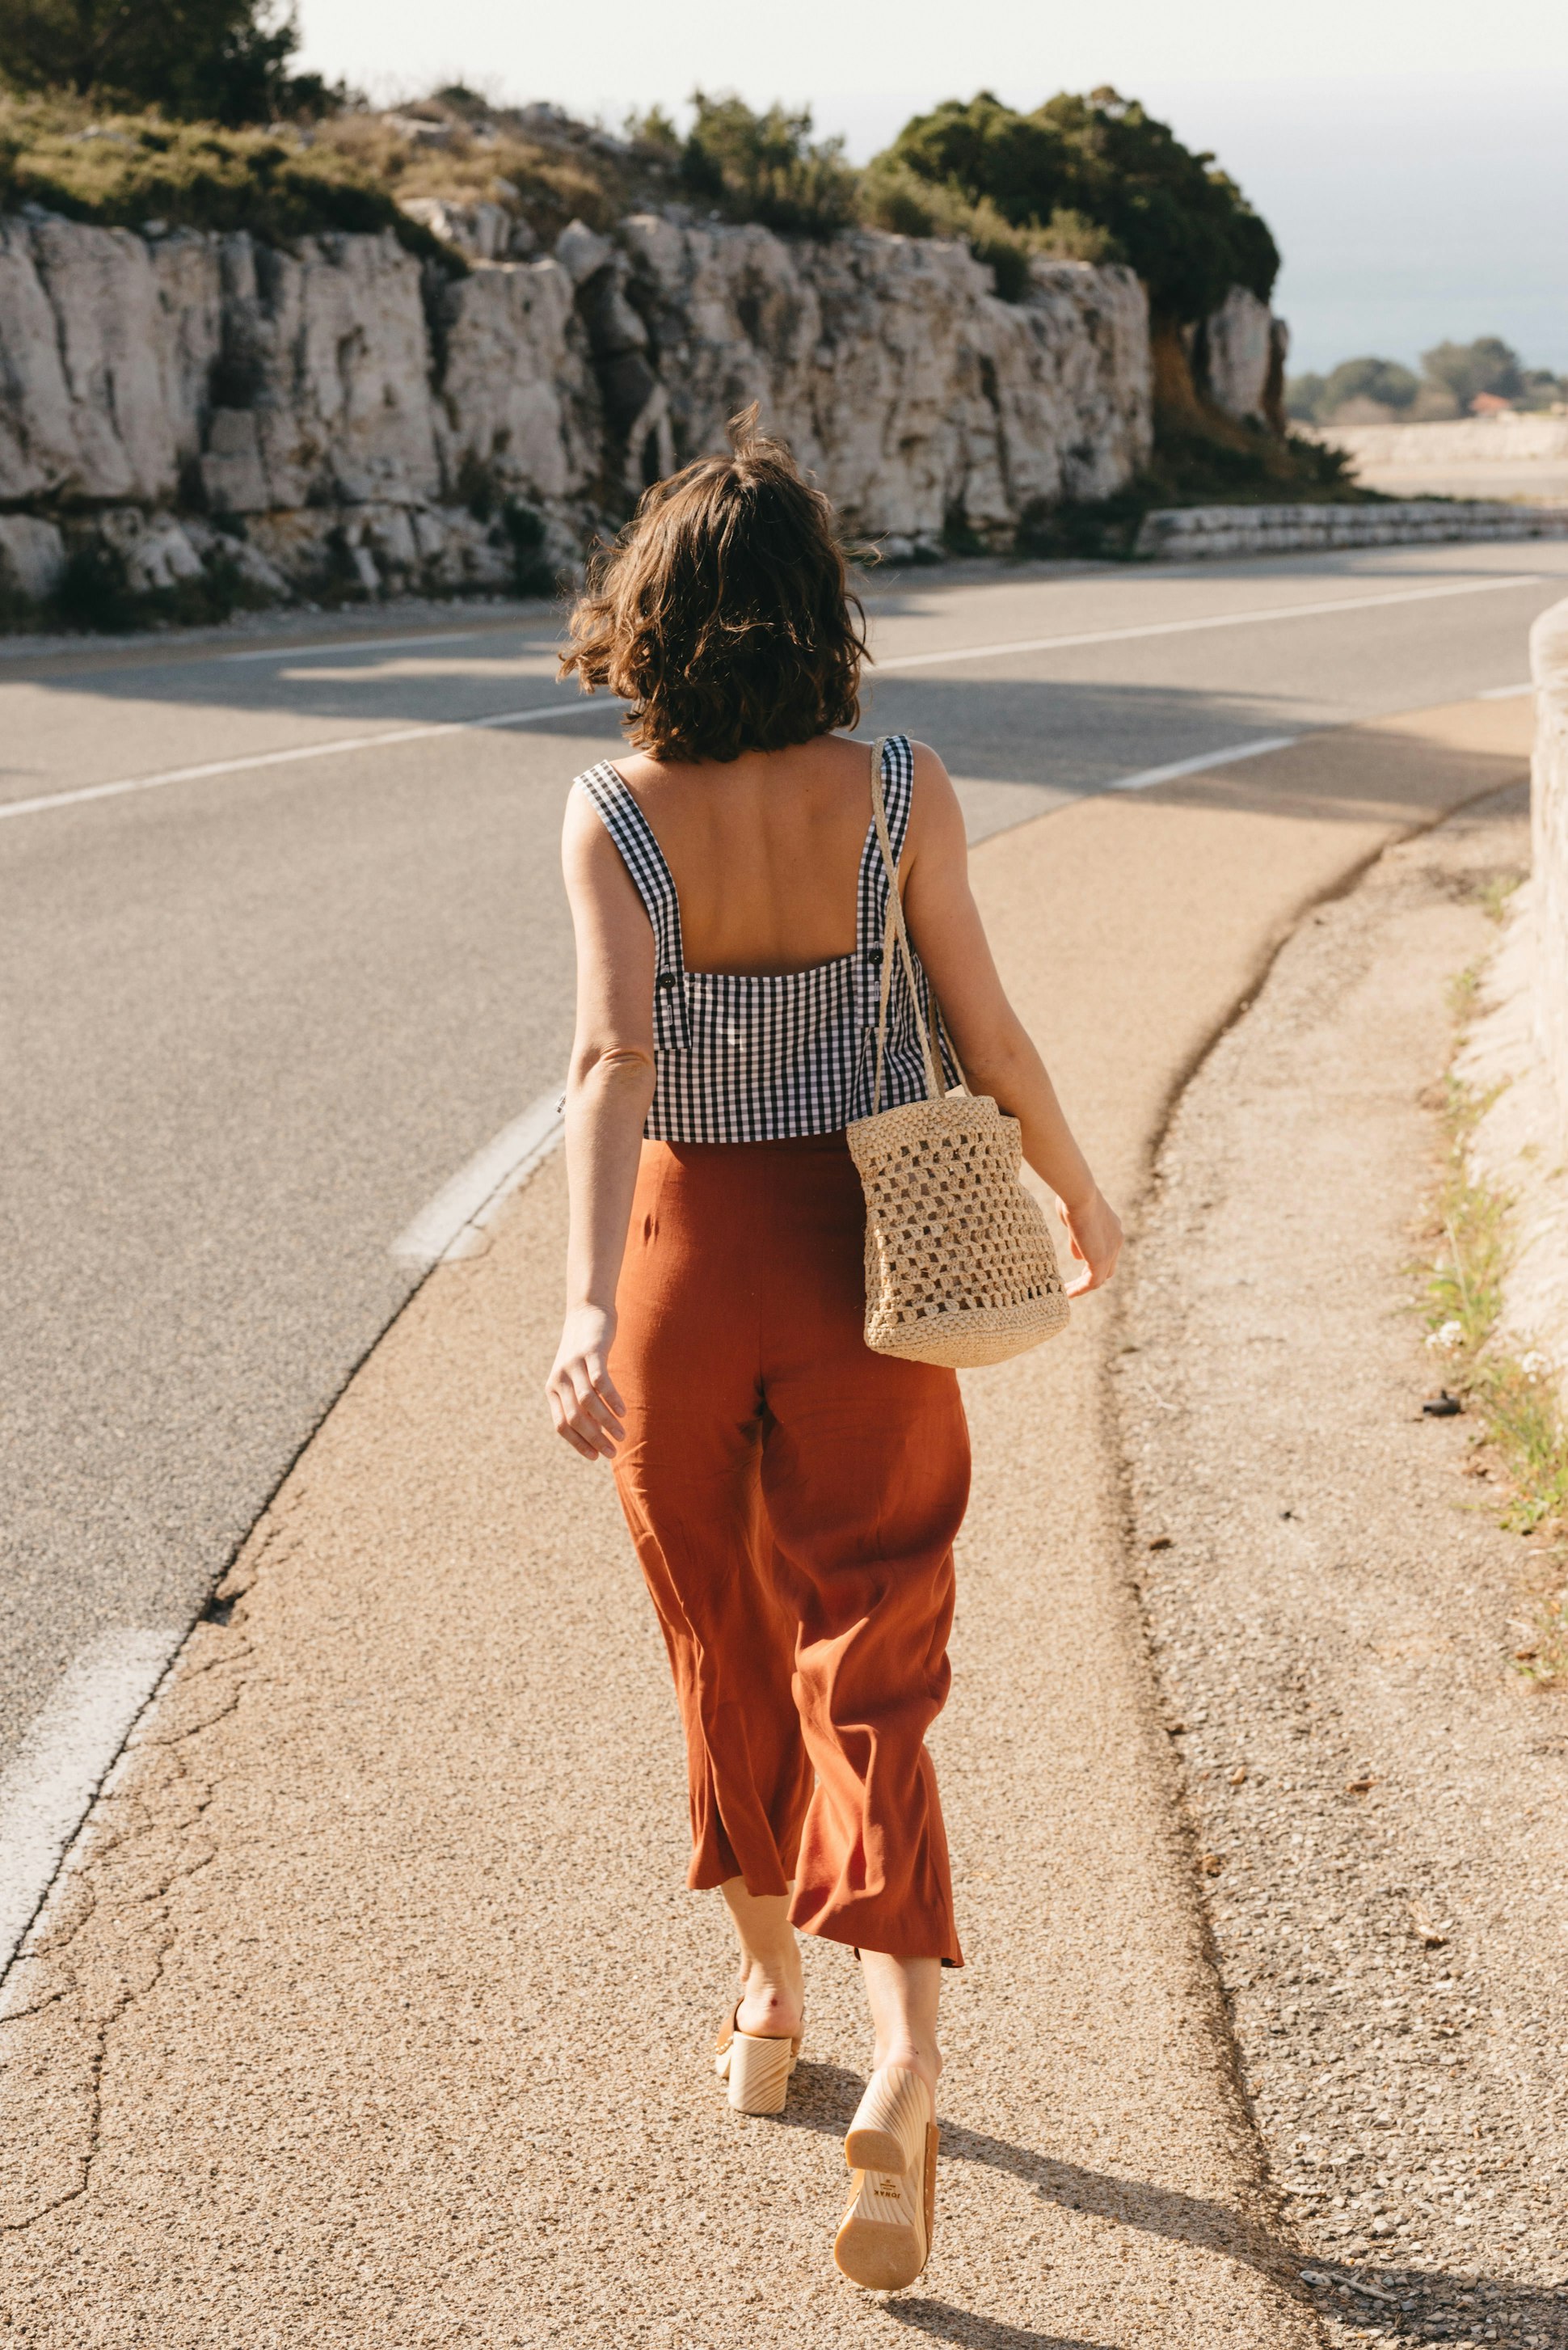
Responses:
[768,2009]
[910,2057]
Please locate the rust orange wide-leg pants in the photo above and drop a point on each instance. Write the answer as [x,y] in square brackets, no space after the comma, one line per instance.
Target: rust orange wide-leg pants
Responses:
[794,1500]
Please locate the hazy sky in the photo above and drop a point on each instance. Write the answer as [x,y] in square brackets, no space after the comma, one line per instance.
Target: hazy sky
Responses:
[1411,156]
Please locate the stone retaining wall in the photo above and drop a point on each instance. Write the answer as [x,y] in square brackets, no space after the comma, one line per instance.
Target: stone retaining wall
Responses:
[1185,534]
[1511,440]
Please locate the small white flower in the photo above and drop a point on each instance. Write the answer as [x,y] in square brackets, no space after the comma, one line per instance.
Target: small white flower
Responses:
[1447,1337]
[1533,1364]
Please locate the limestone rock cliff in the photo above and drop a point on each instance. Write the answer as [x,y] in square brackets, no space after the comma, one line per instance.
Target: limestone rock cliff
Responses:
[342,417]
[1239,360]
[924,403]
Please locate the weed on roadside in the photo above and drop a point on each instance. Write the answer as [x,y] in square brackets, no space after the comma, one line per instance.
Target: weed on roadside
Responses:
[1496,891]
[1523,1440]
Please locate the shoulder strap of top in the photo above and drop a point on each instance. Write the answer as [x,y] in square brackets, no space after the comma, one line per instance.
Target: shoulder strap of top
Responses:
[897,798]
[897,788]
[895,922]
[655,884]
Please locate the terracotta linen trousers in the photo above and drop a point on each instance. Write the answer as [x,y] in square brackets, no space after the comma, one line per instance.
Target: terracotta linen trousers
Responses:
[794,1500]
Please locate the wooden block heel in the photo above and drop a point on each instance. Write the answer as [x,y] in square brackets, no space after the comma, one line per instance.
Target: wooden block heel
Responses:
[756,2067]
[884,2238]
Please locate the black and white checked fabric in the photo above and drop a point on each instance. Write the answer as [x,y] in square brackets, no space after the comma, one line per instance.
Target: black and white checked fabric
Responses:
[754,1059]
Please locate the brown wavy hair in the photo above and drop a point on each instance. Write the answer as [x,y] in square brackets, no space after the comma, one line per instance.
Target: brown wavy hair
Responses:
[722,613]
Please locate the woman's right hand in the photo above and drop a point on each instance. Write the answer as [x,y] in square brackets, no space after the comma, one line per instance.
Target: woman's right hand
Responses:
[585,1402]
[1094,1231]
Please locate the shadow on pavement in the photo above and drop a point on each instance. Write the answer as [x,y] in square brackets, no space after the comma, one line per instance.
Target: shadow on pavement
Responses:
[945,2323]
[1397,2298]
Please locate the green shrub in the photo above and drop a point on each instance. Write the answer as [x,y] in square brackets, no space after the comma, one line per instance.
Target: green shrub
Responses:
[531,574]
[95,591]
[1108,166]
[1465,369]
[95,594]
[654,129]
[218,60]
[1304,397]
[1206,462]
[1384,381]
[765,167]
[894,197]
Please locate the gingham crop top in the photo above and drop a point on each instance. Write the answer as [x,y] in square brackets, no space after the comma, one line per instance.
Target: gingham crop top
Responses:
[754,1058]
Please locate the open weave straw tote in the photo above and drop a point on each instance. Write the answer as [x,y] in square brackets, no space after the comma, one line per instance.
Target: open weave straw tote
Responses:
[960,1267]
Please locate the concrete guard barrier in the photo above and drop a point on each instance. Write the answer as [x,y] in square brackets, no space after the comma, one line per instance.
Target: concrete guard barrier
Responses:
[1549,846]
[1188,534]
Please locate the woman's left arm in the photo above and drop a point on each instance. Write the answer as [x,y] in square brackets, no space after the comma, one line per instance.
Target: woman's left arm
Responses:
[609,1090]
[998,1053]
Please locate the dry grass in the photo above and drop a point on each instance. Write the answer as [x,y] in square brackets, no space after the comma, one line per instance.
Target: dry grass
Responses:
[547,185]
[351,171]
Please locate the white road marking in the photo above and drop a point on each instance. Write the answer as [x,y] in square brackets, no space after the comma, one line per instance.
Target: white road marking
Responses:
[359,645]
[1199,766]
[341,743]
[1214,620]
[45,1792]
[454,1221]
[1503,692]
[45,801]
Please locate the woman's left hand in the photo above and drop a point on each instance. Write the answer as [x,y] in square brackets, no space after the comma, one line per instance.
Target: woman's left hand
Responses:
[585,1401]
[1094,1231]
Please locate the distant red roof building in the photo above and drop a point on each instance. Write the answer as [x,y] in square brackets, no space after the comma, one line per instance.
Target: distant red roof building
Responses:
[1491,404]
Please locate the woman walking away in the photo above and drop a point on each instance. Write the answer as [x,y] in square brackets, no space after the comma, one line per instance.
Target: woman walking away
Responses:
[792,1496]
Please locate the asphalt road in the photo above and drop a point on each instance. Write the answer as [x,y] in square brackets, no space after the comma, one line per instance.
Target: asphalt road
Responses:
[253,1020]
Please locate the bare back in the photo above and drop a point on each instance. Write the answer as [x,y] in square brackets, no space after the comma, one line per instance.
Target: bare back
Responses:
[764,849]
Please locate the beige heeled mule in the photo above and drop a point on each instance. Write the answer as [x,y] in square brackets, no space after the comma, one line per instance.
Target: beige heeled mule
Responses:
[884,2238]
[756,2066]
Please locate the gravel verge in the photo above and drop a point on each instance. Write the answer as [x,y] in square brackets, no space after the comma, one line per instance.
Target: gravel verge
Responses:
[1374,1795]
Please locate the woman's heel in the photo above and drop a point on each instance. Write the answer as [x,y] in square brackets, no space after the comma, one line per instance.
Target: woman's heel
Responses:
[757,2069]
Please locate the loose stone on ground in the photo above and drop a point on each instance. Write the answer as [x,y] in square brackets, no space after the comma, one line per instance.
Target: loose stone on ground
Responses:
[1374,1795]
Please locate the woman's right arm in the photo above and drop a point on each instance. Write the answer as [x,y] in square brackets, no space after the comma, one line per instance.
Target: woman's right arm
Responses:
[609,1090]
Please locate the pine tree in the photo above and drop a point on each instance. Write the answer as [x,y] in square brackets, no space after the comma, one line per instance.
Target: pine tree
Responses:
[217,60]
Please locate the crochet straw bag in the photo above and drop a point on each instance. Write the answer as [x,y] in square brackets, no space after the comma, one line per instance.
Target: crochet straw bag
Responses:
[960,1267]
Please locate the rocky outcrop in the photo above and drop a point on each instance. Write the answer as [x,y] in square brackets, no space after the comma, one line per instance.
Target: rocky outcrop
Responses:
[102,339]
[1238,357]
[32,558]
[516,402]
[342,417]
[925,405]
[325,368]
